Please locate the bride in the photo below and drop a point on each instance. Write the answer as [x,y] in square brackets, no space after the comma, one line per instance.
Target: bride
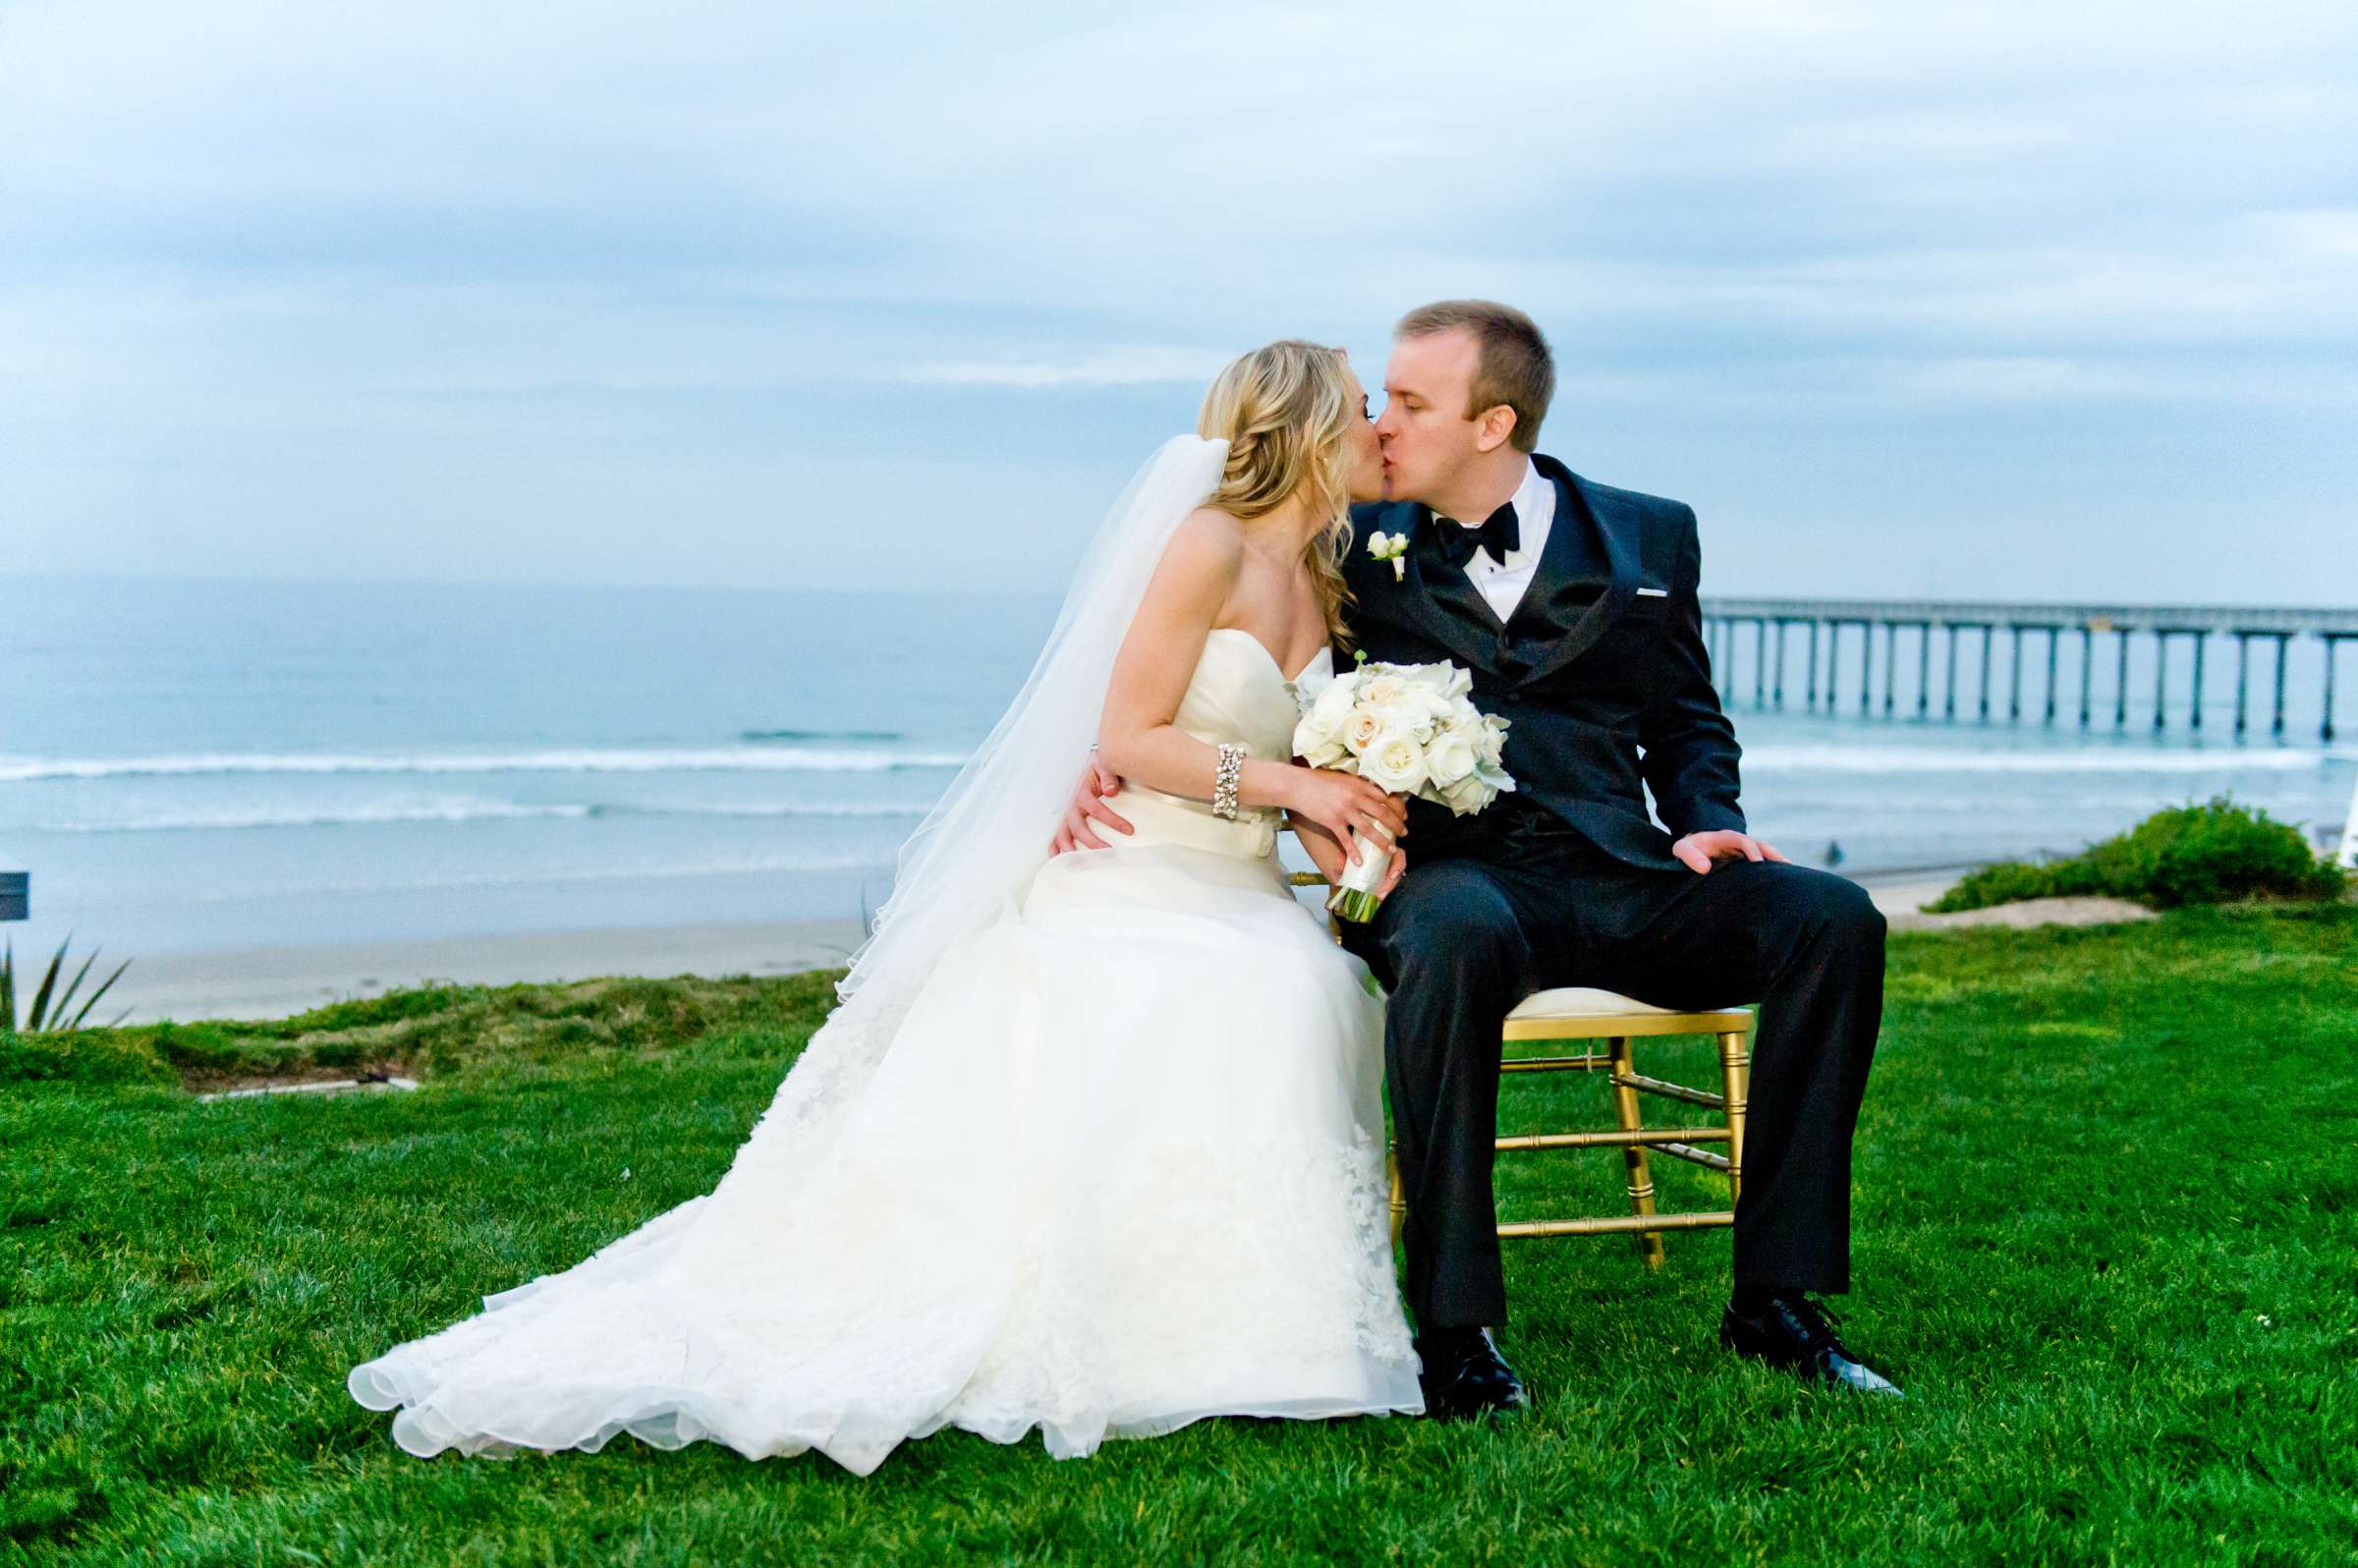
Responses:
[1093,1142]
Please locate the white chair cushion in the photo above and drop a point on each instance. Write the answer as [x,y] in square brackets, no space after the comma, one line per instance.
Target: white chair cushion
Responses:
[1585,1001]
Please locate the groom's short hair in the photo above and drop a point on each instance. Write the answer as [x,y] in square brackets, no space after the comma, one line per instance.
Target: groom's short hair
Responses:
[1515,369]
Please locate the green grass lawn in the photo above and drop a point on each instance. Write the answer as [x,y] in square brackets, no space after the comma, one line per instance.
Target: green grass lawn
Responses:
[2104,1237]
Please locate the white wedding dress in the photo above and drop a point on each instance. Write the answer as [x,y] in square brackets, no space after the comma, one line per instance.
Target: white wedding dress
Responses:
[1119,1168]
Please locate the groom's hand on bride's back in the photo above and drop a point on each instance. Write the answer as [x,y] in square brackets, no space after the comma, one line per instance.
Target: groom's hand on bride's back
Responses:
[1097,781]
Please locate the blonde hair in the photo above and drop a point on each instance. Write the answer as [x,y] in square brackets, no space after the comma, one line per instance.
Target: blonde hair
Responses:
[1285,410]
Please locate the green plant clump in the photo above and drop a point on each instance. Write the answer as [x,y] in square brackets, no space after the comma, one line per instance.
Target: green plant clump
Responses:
[49,1013]
[2208,854]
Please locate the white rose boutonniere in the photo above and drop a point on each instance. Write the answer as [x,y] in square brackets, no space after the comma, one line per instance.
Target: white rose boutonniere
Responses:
[1390,547]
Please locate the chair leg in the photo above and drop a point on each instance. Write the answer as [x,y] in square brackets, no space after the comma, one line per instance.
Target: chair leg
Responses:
[1641,1184]
[1399,1205]
[1734,1062]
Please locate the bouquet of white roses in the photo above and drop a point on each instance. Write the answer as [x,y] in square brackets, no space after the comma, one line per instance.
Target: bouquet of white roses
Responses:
[1410,729]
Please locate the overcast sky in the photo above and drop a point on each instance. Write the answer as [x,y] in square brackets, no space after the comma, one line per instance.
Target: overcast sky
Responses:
[2036,300]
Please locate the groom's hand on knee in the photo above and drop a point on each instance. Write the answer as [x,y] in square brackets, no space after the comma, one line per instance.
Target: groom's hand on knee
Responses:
[1697,850]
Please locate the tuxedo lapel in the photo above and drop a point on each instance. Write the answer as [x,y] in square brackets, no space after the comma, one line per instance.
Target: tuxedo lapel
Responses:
[1556,557]
[1618,522]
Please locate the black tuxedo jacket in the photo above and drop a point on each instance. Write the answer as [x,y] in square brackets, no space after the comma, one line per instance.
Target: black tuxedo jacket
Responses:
[1600,672]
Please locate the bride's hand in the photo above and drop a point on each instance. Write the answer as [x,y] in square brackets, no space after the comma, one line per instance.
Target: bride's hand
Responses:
[1346,805]
[1327,855]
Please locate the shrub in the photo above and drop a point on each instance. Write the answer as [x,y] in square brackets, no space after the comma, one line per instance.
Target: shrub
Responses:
[2204,854]
[88,1057]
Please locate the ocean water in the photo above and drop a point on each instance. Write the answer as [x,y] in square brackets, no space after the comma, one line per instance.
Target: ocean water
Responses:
[210,765]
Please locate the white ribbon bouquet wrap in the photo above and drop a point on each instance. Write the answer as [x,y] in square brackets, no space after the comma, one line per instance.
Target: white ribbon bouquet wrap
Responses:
[1410,729]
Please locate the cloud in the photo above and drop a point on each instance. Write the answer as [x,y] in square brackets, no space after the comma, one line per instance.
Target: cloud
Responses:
[481,253]
[2019,376]
[1124,367]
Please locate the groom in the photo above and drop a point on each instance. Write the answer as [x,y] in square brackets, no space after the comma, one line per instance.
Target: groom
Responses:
[1574,606]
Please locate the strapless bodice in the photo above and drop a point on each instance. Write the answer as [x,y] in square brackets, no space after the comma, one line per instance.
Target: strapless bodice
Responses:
[1237,693]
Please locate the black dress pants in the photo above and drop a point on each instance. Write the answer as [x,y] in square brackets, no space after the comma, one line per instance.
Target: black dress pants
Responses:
[1494,910]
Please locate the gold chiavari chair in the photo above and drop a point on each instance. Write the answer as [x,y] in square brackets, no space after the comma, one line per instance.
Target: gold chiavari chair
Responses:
[1586,1017]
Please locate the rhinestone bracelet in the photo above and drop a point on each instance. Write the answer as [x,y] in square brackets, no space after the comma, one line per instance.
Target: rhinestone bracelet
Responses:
[1225,780]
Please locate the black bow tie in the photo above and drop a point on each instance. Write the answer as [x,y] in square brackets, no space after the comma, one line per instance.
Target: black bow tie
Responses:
[1457,542]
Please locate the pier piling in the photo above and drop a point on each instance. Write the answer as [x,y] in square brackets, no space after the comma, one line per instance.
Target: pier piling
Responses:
[2014,678]
[1952,711]
[2277,727]
[1989,635]
[2087,669]
[1866,663]
[2243,688]
[2202,640]
[1924,667]
[2055,634]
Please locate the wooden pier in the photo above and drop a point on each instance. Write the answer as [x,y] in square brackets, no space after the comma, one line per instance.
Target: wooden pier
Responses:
[1971,631]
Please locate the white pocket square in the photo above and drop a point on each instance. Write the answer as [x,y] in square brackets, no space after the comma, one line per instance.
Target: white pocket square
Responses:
[1654,593]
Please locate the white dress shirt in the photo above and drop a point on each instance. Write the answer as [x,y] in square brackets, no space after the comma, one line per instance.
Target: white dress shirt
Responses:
[1502,585]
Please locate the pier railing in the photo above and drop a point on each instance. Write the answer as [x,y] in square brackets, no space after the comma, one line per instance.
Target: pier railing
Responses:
[1821,623]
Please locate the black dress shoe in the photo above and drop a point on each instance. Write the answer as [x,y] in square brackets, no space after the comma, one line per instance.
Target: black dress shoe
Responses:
[1465,1375]
[1792,1333]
